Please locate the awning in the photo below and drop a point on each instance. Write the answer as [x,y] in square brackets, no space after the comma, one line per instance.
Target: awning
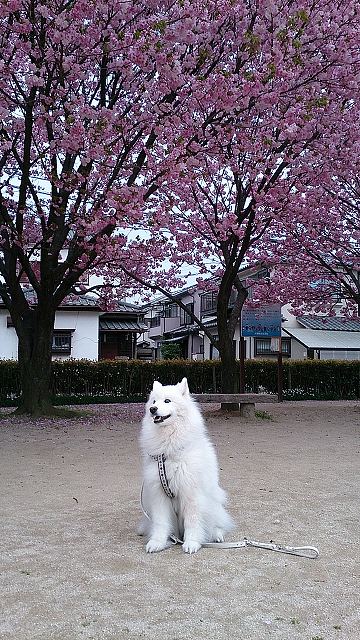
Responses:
[122,325]
[178,339]
[210,322]
[322,339]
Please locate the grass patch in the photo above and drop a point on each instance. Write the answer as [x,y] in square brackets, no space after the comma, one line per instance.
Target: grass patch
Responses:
[295,621]
[264,415]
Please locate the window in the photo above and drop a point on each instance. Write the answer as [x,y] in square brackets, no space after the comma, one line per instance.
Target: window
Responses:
[185,318]
[171,311]
[263,347]
[286,346]
[208,302]
[61,342]
[155,322]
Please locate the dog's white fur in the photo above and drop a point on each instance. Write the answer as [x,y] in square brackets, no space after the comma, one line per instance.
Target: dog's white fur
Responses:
[197,513]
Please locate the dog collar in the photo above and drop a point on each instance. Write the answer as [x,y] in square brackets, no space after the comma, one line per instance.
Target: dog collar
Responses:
[160,459]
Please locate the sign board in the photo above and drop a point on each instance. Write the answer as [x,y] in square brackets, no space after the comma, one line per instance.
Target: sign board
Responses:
[262,322]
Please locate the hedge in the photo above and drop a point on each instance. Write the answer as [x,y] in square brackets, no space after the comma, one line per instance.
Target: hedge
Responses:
[82,381]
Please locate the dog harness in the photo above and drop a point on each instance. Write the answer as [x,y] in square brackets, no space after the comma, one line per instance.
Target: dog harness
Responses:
[160,459]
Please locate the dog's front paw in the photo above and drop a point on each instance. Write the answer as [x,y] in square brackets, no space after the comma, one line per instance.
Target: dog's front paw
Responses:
[153,546]
[191,546]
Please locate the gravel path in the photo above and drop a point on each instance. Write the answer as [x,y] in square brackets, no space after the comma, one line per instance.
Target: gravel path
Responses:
[72,567]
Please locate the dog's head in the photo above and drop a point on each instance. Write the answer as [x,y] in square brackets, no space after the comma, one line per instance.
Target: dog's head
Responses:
[165,402]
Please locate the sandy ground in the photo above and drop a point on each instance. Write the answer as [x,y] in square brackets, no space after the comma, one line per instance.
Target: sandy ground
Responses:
[73,568]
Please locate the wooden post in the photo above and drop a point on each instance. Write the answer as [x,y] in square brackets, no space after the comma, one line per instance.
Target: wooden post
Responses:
[280,374]
[242,365]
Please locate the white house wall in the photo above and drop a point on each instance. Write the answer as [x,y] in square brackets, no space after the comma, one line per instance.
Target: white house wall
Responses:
[298,351]
[85,338]
[8,338]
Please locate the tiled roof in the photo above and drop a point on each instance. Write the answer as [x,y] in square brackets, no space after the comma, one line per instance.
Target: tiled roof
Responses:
[330,323]
[82,301]
[70,301]
[125,306]
[122,325]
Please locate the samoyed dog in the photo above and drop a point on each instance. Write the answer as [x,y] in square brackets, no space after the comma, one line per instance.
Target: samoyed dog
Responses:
[181,495]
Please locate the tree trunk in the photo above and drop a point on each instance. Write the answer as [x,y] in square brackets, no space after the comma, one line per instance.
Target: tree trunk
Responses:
[230,375]
[34,357]
[230,368]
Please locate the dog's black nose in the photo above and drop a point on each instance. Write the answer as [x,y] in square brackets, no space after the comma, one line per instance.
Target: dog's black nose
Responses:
[153,409]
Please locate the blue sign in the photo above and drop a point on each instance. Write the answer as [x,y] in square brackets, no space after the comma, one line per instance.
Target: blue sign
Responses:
[264,322]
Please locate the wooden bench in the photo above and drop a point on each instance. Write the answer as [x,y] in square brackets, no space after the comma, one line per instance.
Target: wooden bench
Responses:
[233,401]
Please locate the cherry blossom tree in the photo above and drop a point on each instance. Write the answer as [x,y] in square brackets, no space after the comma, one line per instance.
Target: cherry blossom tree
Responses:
[293,94]
[319,249]
[100,102]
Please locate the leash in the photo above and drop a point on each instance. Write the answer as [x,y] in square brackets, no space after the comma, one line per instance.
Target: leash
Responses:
[303,552]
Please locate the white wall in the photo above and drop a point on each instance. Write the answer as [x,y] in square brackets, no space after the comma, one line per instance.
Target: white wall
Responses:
[298,351]
[85,338]
[290,319]
[8,338]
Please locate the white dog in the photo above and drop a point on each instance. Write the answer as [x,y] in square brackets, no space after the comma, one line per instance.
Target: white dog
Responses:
[188,501]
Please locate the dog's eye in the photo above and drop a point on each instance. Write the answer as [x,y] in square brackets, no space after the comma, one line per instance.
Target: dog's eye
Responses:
[167,400]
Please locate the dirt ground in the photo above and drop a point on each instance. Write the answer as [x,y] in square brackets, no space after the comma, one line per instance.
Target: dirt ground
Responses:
[72,566]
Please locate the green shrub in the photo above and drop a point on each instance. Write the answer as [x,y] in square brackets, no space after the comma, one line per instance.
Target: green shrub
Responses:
[171,351]
[83,381]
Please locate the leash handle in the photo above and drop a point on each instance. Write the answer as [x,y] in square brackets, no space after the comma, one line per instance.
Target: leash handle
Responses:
[304,552]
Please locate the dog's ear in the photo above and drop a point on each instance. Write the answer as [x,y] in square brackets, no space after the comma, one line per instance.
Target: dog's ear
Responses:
[184,387]
[157,385]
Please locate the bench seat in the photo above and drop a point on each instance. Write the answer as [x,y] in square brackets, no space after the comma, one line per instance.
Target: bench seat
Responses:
[235,401]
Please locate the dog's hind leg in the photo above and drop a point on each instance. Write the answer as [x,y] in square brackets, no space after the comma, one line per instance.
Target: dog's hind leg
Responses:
[217,535]
[143,528]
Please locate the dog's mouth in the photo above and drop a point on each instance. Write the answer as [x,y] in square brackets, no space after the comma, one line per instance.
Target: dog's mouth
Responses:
[159,419]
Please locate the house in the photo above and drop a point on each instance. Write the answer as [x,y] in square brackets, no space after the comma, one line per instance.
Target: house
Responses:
[83,330]
[301,337]
[170,324]
[325,338]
